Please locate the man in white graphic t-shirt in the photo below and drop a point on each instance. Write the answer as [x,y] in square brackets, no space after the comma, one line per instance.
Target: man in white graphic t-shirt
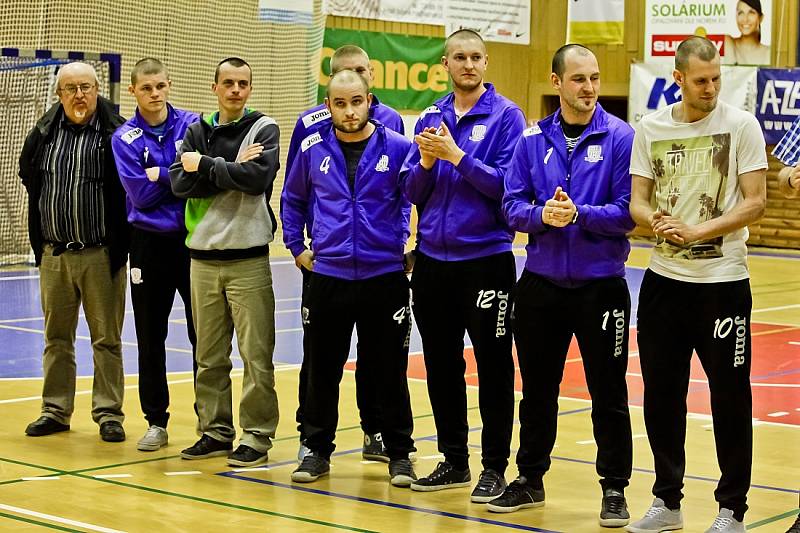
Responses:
[699,178]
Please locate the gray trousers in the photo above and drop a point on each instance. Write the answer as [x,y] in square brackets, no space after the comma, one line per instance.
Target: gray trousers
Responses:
[226,296]
[66,282]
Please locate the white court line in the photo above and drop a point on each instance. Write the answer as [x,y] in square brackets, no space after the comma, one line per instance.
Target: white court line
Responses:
[111,476]
[58,519]
[40,478]
[14,278]
[778,414]
[778,308]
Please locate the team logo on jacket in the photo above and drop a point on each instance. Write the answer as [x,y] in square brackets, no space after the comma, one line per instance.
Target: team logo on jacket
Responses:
[533,130]
[132,135]
[383,164]
[478,132]
[594,153]
[178,144]
[429,109]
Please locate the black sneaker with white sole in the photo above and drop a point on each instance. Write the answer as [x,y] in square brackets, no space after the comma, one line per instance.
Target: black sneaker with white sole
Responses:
[246,456]
[207,447]
[373,448]
[401,473]
[444,476]
[614,509]
[311,469]
[519,494]
[490,485]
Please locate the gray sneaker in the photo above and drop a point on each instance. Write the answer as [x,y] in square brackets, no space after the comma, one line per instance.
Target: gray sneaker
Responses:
[725,522]
[657,518]
[154,438]
[302,451]
[614,509]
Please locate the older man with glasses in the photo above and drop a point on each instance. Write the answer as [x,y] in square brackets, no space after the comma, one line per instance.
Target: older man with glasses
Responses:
[79,234]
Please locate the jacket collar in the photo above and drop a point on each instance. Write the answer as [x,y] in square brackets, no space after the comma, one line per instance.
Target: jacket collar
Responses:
[551,125]
[482,107]
[140,122]
[107,116]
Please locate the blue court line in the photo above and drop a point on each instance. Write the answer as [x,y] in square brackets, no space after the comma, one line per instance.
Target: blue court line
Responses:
[696,478]
[385,503]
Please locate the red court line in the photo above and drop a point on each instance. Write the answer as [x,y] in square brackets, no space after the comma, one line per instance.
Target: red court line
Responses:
[775,362]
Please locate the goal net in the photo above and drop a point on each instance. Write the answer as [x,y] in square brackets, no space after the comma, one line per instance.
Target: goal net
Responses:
[280,39]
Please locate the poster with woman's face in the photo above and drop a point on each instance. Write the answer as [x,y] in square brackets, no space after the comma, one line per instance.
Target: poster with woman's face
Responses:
[741,29]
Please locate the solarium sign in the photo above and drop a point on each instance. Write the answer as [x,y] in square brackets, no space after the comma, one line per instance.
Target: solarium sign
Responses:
[669,22]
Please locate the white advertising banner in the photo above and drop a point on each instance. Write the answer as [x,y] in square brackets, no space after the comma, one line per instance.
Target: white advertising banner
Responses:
[653,87]
[414,11]
[739,28]
[505,21]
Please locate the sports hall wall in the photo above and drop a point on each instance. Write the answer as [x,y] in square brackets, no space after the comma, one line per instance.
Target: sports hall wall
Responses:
[522,72]
[190,38]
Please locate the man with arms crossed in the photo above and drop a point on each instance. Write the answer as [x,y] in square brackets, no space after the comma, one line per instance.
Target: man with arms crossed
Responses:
[226,167]
[347,173]
[465,270]
[368,397]
[79,236]
[144,148]
[699,169]
[568,188]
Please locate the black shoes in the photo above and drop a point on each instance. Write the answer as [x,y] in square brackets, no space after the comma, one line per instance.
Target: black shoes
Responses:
[112,431]
[444,476]
[207,447]
[45,425]
[311,469]
[401,473]
[614,509]
[373,449]
[518,495]
[490,485]
[246,456]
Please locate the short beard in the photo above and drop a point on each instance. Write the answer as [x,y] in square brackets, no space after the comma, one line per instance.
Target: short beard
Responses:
[346,129]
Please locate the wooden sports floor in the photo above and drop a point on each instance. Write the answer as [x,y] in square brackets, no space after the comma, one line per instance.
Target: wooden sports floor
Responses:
[75,482]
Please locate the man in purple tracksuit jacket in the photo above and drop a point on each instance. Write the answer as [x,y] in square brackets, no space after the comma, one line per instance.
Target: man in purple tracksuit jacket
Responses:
[346,179]
[348,57]
[568,188]
[144,148]
[465,271]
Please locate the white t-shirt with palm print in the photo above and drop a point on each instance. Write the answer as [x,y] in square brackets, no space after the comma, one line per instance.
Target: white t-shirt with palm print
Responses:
[696,168]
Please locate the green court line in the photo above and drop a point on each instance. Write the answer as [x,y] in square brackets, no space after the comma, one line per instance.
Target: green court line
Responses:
[38,523]
[771,519]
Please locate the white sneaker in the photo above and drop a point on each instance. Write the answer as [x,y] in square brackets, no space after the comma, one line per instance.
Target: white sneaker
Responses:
[726,522]
[154,438]
[302,451]
[658,518]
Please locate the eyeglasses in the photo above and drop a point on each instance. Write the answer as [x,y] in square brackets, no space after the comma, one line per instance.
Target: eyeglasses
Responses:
[72,90]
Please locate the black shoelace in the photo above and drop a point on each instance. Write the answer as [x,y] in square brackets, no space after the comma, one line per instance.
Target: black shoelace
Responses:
[615,504]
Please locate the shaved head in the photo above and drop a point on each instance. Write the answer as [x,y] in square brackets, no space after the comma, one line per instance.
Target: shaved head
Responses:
[345,78]
[463,35]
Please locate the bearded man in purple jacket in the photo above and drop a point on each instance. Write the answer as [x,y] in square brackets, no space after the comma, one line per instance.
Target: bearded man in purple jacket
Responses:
[569,188]
[346,179]
[464,269]
[144,148]
[368,397]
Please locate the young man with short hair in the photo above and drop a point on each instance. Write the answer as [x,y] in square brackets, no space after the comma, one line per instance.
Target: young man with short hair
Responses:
[346,180]
[568,188]
[465,270]
[318,118]
[225,169]
[699,178]
[144,148]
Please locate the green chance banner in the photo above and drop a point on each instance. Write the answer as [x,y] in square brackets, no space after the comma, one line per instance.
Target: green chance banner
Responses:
[407,70]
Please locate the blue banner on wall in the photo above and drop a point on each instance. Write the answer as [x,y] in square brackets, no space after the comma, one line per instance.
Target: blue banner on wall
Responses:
[778,101]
